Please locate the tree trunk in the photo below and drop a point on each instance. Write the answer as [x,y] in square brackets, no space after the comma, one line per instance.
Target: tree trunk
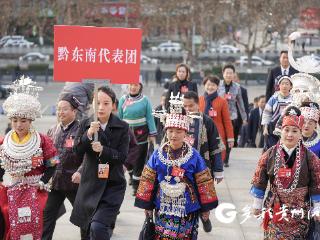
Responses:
[249,55]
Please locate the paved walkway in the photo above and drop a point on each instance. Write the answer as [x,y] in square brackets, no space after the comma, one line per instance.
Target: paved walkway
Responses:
[234,189]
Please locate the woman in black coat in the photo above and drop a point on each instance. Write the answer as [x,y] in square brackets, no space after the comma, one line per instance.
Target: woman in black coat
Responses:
[182,82]
[99,196]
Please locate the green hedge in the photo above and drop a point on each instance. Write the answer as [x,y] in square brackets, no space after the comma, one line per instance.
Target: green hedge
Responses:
[39,69]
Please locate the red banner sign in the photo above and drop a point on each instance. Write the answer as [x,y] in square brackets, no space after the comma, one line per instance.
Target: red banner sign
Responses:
[310,18]
[82,52]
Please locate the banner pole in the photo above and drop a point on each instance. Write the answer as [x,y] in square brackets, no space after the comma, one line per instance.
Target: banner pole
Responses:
[95,99]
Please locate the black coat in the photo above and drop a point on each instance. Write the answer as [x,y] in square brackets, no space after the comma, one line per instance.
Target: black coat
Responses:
[244,94]
[115,141]
[211,147]
[254,124]
[159,126]
[271,81]
[175,87]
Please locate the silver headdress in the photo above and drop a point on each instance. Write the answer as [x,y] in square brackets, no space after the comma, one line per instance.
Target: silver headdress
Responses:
[305,87]
[175,118]
[305,64]
[23,101]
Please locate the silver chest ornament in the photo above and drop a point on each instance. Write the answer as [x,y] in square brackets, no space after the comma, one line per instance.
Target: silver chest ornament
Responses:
[172,197]
[172,194]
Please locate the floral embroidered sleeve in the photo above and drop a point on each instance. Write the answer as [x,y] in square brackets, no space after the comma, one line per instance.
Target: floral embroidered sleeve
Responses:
[49,158]
[205,186]
[260,181]
[147,186]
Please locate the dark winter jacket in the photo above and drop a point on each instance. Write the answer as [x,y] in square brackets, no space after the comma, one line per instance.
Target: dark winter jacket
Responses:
[180,86]
[115,142]
[69,161]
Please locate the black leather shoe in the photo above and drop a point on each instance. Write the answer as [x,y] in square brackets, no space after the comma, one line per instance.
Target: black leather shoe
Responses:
[134,193]
[226,164]
[130,181]
[207,226]
[135,184]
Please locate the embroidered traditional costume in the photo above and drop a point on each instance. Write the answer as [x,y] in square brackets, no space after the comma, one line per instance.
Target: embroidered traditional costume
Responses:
[293,175]
[313,142]
[29,164]
[176,183]
[137,112]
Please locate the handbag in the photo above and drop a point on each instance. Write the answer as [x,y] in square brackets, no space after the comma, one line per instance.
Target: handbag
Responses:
[148,229]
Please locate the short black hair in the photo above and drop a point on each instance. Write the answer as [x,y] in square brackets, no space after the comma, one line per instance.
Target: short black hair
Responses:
[229,65]
[283,51]
[262,96]
[191,95]
[109,92]
[212,78]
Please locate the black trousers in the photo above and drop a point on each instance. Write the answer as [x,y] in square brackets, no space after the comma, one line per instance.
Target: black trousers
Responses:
[104,219]
[236,128]
[228,150]
[140,161]
[51,211]
[243,136]
[236,124]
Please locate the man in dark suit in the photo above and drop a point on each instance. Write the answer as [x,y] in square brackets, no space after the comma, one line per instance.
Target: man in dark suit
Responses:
[283,69]
[240,128]
[255,136]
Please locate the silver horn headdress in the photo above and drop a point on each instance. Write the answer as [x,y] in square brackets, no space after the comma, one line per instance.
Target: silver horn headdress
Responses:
[23,101]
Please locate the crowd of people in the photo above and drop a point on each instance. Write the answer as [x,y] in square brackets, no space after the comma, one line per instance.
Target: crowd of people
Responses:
[174,155]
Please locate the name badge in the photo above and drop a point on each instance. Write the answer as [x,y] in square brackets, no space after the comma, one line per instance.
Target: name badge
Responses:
[189,139]
[212,113]
[103,170]
[69,143]
[284,172]
[36,161]
[184,89]
[177,172]
[26,237]
[228,96]
[24,215]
